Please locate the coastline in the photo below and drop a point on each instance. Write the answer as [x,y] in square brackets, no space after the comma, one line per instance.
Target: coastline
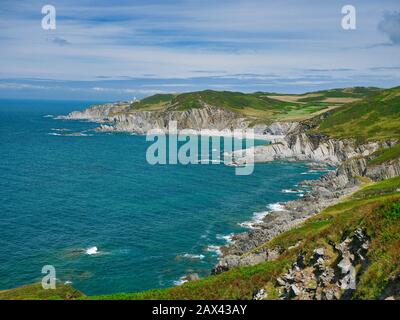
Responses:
[290,141]
[282,216]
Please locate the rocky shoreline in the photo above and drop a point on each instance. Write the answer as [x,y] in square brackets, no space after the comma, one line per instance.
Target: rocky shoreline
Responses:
[328,190]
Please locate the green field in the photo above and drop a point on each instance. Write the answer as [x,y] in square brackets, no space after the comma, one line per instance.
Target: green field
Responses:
[259,106]
[374,118]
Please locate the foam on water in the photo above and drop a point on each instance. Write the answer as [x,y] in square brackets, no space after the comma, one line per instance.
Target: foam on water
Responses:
[276,207]
[291,191]
[227,238]
[259,216]
[181,281]
[214,249]
[193,256]
[92,251]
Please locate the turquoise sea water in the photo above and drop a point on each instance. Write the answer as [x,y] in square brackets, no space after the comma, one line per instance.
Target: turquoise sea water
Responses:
[62,194]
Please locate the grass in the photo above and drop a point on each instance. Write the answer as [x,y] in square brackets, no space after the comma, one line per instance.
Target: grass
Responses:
[374,118]
[36,292]
[385,155]
[390,186]
[260,107]
[384,254]
[155,102]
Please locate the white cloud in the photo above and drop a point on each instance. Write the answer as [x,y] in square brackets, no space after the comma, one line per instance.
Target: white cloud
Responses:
[265,39]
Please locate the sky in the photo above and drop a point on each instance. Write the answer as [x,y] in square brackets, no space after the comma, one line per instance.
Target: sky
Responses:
[117,50]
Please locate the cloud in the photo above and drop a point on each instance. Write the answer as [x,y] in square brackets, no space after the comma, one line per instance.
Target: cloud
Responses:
[59,41]
[128,90]
[390,25]
[199,43]
[385,68]
[21,86]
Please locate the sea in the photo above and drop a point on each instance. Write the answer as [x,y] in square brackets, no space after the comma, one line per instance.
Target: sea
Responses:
[90,205]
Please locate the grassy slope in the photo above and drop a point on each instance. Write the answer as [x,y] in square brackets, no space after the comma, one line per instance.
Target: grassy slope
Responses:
[375,208]
[355,92]
[261,106]
[36,292]
[384,155]
[375,118]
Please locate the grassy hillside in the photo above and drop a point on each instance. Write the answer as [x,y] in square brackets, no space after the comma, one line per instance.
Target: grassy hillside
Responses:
[384,155]
[260,106]
[376,117]
[375,208]
[36,292]
[155,102]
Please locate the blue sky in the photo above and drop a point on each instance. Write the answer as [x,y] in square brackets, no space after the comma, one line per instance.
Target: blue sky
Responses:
[121,49]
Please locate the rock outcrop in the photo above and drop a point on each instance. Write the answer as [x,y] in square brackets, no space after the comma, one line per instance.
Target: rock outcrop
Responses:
[306,147]
[329,274]
[122,117]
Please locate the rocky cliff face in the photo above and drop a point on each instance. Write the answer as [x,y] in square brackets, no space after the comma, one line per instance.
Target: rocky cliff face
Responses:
[304,147]
[196,119]
[98,113]
[329,273]
[121,117]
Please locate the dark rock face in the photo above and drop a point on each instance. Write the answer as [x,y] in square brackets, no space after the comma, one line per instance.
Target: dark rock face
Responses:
[192,277]
[392,290]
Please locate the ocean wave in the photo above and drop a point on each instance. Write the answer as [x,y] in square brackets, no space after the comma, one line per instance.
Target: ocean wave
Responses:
[180,281]
[292,191]
[317,170]
[192,256]
[92,251]
[228,238]
[276,207]
[75,134]
[213,161]
[214,249]
[60,129]
[48,116]
[248,224]
[259,216]
[314,171]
